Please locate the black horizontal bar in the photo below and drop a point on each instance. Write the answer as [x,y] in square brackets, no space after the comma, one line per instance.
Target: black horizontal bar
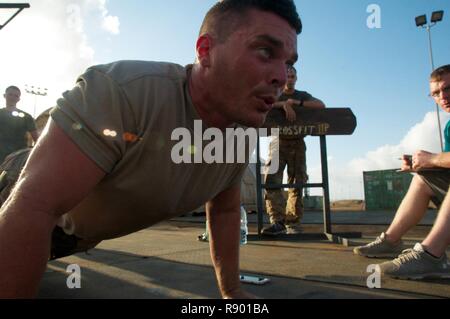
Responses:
[19,6]
[14,5]
[279,186]
[313,122]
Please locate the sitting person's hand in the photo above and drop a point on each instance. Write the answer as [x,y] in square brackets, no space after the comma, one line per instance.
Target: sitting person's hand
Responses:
[407,163]
[423,159]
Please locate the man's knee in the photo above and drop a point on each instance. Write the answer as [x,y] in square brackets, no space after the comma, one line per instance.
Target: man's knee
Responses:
[445,206]
[418,183]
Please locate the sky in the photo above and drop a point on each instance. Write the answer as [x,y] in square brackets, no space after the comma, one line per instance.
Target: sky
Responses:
[375,62]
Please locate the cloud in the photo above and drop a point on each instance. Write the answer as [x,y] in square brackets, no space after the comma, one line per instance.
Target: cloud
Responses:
[346,181]
[110,23]
[47,46]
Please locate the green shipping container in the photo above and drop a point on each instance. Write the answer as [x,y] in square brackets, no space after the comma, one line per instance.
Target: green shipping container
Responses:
[313,203]
[384,190]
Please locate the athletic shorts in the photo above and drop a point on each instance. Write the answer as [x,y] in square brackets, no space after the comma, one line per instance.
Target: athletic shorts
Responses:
[439,182]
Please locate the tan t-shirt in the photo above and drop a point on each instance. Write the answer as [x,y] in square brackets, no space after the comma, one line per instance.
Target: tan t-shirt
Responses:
[122,116]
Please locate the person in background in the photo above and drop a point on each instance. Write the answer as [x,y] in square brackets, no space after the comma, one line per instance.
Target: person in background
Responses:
[14,125]
[427,259]
[292,153]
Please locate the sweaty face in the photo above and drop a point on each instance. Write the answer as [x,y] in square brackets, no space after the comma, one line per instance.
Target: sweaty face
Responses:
[440,91]
[12,97]
[249,70]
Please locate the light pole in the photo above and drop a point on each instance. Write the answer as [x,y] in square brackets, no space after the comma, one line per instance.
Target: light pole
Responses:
[36,92]
[9,6]
[421,21]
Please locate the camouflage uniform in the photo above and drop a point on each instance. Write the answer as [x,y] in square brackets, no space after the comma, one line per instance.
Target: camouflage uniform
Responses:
[292,153]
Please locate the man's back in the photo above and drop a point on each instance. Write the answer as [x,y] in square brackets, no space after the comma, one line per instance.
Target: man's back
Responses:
[122,116]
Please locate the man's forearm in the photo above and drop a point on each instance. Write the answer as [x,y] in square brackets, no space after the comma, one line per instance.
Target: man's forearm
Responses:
[56,166]
[24,250]
[224,244]
[279,105]
[442,160]
[314,104]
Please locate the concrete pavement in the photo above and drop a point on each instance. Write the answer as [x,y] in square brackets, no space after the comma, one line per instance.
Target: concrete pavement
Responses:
[167,261]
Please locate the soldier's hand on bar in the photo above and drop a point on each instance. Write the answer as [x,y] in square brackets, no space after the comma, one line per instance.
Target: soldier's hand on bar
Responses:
[291,116]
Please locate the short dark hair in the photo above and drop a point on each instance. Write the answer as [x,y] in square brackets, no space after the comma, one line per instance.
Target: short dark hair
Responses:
[221,18]
[437,74]
[13,87]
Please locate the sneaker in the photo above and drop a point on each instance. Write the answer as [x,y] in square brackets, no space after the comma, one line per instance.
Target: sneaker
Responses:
[417,264]
[275,229]
[380,248]
[294,229]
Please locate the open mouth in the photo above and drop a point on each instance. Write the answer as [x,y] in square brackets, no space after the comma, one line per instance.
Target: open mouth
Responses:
[269,100]
[265,106]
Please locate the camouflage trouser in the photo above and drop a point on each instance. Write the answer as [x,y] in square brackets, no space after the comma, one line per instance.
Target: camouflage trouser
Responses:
[292,153]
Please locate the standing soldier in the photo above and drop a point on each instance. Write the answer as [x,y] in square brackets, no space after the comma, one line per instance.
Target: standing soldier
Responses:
[14,125]
[292,152]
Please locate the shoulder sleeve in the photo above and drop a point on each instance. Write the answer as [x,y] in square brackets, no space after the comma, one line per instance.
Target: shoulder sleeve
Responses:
[447,138]
[305,96]
[95,115]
